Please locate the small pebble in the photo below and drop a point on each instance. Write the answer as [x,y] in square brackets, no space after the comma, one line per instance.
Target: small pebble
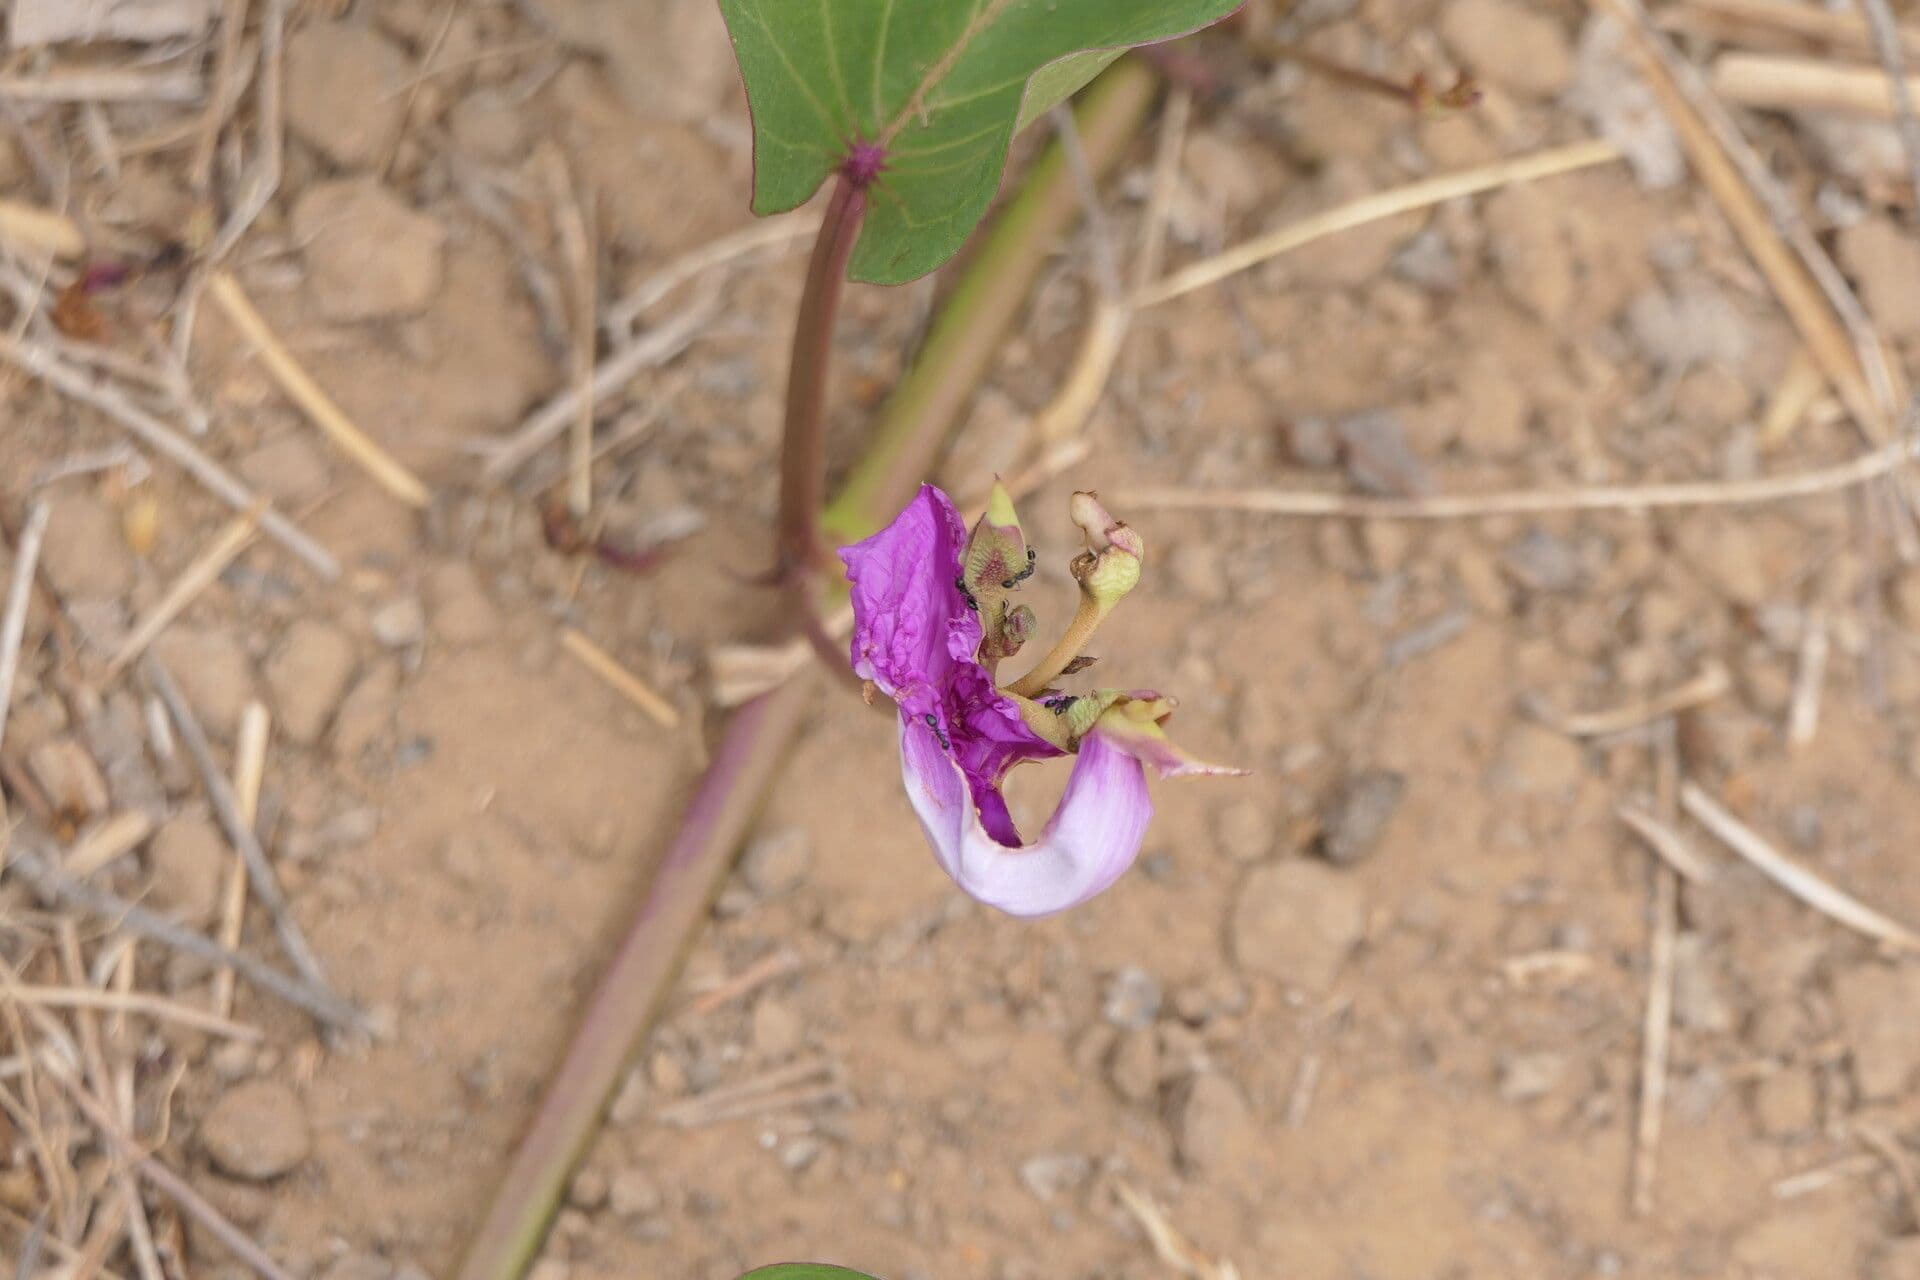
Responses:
[400,623]
[1132,999]
[777,1029]
[1049,1175]
[1213,1126]
[633,1194]
[1357,814]
[777,863]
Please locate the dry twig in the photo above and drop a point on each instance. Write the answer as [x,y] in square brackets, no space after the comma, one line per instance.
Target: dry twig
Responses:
[1711,682]
[629,686]
[1803,714]
[1877,464]
[57,888]
[1657,1026]
[226,807]
[782,232]
[199,574]
[43,230]
[1385,204]
[1786,82]
[1887,48]
[13,622]
[164,440]
[134,1002]
[654,347]
[249,767]
[1791,876]
[104,84]
[769,968]
[1172,1248]
[1664,839]
[105,841]
[1846,32]
[1815,296]
[319,407]
[166,1181]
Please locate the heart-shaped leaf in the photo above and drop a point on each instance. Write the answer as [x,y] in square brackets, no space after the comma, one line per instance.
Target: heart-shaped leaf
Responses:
[938,84]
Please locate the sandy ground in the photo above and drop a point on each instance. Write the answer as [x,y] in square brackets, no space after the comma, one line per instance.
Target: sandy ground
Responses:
[1375,1012]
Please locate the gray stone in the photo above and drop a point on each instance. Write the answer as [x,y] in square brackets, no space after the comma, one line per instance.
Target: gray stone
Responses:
[1356,815]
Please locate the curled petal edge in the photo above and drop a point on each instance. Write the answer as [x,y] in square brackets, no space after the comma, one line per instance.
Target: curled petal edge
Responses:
[1091,840]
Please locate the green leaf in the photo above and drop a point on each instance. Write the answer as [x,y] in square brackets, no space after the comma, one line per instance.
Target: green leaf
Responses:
[939,83]
[804,1271]
[1054,83]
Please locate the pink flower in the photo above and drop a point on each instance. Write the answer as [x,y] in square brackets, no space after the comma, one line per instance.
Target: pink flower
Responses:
[929,604]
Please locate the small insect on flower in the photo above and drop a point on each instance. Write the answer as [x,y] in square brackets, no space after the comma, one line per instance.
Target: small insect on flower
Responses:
[931,622]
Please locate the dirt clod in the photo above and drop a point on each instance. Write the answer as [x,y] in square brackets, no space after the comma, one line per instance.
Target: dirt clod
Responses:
[1876,1010]
[632,1193]
[1885,262]
[345,92]
[189,858]
[307,675]
[1296,922]
[1509,44]
[257,1131]
[213,672]
[369,256]
[1213,1126]
[84,552]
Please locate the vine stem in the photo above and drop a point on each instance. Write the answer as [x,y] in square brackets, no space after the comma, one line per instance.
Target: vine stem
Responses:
[991,292]
[803,450]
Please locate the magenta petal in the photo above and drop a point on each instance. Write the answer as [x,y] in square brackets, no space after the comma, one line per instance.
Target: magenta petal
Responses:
[1089,843]
[910,622]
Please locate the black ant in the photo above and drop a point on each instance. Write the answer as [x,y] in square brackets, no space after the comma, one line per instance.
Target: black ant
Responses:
[960,585]
[1008,584]
[934,725]
[1060,704]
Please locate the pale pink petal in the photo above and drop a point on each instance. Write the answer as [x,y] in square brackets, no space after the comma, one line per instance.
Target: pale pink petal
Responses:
[1089,843]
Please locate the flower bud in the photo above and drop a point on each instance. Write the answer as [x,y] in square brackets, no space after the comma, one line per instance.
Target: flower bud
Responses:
[1111,566]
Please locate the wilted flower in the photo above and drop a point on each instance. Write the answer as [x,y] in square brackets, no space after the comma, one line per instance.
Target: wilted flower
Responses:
[932,621]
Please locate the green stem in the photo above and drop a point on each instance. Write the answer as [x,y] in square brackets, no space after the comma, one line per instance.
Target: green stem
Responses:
[755,742]
[974,321]
[1086,620]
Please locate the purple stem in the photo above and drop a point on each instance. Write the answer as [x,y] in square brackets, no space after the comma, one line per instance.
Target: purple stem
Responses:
[637,981]
[803,452]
